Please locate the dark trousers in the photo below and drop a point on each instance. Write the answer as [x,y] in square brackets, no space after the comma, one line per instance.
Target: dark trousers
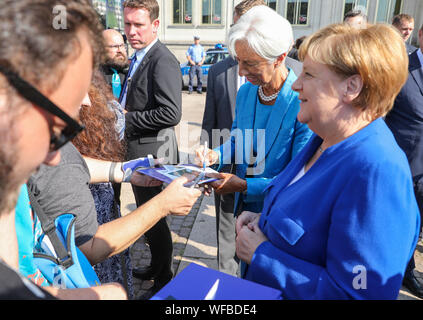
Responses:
[158,238]
[227,260]
[116,189]
[195,71]
[418,192]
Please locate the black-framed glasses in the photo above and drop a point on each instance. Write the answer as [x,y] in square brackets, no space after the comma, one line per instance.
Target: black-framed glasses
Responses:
[117,46]
[31,94]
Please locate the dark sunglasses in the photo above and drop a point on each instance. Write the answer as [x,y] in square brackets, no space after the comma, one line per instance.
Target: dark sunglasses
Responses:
[31,94]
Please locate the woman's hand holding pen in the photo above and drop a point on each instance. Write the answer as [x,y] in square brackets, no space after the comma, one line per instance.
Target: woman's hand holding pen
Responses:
[205,155]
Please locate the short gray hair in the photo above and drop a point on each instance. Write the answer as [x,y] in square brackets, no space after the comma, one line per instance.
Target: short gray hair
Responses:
[267,33]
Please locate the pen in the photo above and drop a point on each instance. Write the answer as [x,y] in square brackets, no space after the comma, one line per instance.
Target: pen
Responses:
[204,155]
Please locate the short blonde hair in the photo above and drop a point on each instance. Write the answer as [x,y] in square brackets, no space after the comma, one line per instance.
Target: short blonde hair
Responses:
[376,53]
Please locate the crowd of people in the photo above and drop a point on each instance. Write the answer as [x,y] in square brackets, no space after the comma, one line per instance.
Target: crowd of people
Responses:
[319,172]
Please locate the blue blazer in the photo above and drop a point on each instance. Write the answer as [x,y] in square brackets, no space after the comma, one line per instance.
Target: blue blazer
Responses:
[285,136]
[347,228]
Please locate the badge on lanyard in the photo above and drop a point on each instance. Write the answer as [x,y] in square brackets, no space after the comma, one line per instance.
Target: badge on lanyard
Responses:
[116,85]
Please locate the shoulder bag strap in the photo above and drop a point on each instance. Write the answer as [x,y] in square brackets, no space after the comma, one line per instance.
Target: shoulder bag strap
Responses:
[48,226]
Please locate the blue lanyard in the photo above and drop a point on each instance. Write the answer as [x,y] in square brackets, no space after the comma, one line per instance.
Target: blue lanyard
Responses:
[116,84]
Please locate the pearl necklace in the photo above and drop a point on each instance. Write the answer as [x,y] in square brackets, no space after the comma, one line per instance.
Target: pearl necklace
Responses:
[267,98]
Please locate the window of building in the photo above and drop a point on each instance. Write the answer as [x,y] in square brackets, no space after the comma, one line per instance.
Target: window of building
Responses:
[355,4]
[297,12]
[387,9]
[272,3]
[182,11]
[211,12]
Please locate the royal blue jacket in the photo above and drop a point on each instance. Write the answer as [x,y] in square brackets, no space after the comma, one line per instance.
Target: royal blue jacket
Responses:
[347,228]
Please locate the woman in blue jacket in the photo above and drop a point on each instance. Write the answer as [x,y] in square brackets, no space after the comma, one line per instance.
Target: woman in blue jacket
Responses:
[341,221]
[265,134]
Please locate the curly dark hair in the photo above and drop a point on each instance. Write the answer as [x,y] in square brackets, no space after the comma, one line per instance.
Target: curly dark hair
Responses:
[100,139]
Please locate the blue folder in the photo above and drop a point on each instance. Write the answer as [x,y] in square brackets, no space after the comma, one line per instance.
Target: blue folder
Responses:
[195,281]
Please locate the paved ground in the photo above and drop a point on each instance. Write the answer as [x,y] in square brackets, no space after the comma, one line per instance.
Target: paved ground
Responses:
[194,235]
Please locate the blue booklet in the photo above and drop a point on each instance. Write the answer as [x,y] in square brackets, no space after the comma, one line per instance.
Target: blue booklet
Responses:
[196,282]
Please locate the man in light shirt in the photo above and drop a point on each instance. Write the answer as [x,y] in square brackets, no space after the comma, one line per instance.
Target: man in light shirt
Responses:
[196,56]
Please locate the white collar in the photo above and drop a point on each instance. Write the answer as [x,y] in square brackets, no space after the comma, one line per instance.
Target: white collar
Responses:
[142,52]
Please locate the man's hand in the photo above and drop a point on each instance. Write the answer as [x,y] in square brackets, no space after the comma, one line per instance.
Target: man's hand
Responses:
[227,183]
[177,199]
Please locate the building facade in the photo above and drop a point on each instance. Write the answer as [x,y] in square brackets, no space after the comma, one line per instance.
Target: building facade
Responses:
[211,19]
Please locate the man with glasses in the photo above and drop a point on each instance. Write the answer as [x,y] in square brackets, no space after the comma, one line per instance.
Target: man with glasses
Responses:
[32,126]
[45,73]
[116,65]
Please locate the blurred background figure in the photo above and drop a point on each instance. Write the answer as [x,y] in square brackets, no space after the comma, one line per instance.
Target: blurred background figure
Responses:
[405,25]
[356,18]
[406,123]
[196,56]
[294,51]
[116,63]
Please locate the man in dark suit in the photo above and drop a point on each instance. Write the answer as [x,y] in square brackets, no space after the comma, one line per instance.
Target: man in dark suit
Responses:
[406,123]
[152,96]
[405,25]
[223,83]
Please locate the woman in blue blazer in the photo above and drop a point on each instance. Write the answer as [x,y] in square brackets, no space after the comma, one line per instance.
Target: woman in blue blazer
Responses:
[341,221]
[265,134]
